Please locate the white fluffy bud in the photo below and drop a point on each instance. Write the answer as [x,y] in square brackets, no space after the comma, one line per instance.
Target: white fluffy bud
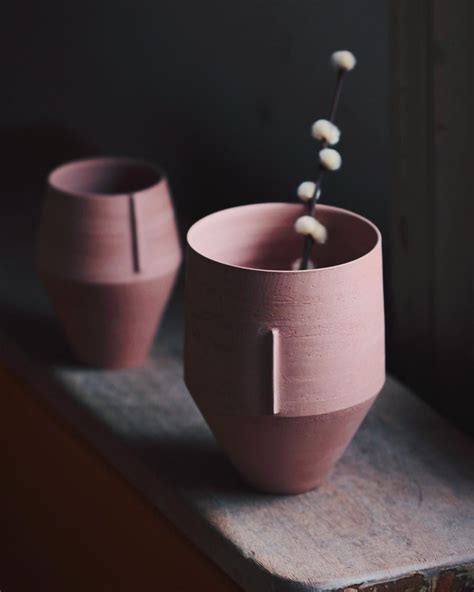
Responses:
[325,131]
[320,234]
[330,159]
[343,60]
[309,226]
[305,225]
[297,264]
[305,191]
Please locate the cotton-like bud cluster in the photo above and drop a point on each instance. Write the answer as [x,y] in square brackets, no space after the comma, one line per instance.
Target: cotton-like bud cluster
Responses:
[306,190]
[325,131]
[296,265]
[330,159]
[309,226]
[343,60]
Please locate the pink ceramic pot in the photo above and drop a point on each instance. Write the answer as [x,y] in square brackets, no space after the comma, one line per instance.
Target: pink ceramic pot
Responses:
[284,365]
[108,254]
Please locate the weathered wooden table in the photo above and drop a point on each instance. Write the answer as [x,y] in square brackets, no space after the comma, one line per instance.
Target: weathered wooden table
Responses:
[396,514]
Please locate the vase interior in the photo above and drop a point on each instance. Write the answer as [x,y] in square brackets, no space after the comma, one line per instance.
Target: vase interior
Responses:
[262,237]
[104,176]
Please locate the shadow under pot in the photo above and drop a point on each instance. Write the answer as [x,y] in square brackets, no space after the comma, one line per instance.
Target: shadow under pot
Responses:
[108,255]
[283,365]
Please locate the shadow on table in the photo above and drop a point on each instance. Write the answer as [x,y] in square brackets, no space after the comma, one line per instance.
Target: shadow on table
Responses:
[36,334]
[192,463]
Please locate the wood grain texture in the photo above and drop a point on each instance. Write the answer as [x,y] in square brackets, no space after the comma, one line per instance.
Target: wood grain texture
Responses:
[398,504]
[453,79]
[432,207]
[400,501]
[411,321]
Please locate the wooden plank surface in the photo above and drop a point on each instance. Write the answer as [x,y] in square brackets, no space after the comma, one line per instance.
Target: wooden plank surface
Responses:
[399,505]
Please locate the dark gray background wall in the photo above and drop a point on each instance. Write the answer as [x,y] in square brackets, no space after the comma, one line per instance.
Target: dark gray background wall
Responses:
[222,94]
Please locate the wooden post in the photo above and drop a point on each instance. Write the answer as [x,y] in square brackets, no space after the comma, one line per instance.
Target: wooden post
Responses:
[432,275]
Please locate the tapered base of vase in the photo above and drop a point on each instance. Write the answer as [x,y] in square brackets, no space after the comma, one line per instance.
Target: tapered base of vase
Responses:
[287,455]
[110,325]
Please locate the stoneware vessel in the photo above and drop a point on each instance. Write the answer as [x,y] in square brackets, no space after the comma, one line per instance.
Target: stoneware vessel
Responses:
[108,255]
[283,365]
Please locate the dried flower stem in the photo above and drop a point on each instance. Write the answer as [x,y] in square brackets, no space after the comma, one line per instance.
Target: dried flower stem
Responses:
[311,204]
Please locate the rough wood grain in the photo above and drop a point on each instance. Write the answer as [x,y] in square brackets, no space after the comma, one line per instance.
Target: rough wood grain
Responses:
[410,324]
[453,147]
[400,502]
[432,275]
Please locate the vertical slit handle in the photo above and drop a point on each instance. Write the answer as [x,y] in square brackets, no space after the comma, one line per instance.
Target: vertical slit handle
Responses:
[275,333]
[134,233]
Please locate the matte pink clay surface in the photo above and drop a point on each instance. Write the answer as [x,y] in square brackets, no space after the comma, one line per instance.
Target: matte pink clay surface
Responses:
[283,364]
[108,254]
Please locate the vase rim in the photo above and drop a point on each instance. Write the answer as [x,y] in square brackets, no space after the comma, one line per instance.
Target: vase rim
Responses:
[284,205]
[156,176]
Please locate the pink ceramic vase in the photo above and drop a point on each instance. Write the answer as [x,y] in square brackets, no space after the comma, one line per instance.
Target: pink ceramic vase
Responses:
[108,255]
[284,365]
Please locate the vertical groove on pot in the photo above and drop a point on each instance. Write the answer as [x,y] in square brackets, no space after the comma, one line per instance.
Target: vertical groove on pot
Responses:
[275,333]
[134,233]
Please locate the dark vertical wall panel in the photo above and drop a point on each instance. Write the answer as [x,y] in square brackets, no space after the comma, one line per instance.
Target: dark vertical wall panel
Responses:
[432,325]
[221,93]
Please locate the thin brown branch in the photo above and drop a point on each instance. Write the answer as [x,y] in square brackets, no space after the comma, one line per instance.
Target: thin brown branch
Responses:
[308,241]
